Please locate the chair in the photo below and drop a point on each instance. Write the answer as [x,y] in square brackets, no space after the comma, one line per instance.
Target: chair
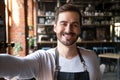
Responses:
[102,68]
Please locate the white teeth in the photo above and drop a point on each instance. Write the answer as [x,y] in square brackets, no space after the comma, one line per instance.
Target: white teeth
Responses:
[68,36]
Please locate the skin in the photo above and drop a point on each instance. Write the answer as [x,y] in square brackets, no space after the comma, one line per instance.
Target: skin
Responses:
[67,29]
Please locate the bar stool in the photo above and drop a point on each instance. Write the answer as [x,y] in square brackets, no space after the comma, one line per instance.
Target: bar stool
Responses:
[109,49]
[45,48]
[99,49]
[110,62]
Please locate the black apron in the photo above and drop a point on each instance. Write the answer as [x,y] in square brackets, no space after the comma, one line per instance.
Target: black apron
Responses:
[70,75]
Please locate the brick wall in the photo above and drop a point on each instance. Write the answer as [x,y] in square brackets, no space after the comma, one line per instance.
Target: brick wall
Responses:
[17,26]
[20,19]
[30,17]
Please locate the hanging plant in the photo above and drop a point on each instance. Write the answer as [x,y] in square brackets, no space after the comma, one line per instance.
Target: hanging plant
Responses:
[17,48]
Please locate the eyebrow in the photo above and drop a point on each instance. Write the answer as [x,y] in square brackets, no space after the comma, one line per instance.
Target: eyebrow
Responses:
[67,22]
[76,22]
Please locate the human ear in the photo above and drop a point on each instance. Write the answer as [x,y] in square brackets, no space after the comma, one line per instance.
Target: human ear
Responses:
[54,28]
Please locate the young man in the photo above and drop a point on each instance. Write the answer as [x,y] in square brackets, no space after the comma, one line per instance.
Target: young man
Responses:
[65,62]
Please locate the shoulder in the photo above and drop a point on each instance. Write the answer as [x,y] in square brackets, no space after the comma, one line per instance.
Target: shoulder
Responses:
[91,61]
[87,53]
[41,54]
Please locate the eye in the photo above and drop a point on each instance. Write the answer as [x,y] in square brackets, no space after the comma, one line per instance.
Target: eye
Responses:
[63,24]
[75,25]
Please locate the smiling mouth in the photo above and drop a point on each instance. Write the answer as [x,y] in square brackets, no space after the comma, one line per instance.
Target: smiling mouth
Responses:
[68,35]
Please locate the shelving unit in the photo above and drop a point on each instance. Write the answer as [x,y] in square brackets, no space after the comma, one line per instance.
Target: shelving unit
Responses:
[95,22]
[45,20]
[96,27]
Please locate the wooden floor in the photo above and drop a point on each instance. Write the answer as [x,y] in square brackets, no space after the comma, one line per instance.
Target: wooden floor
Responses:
[109,76]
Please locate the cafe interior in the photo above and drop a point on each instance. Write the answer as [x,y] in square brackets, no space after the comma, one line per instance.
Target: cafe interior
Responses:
[27,25]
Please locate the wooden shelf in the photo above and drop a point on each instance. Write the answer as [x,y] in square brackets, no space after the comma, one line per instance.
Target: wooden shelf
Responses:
[47,42]
[45,25]
[46,34]
[94,41]
[97,16]
[93,25]
[44,16]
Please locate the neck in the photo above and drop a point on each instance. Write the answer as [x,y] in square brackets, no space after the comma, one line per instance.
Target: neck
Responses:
[67,51]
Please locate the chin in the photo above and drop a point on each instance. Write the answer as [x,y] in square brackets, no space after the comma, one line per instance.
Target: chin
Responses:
[68,43]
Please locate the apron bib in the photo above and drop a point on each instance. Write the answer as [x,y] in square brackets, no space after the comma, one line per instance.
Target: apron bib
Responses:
[70,75]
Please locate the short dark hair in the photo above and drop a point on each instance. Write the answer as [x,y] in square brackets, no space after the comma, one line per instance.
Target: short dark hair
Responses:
[67,7]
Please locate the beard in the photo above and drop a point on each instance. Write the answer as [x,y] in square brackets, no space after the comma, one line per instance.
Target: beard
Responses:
[67,41]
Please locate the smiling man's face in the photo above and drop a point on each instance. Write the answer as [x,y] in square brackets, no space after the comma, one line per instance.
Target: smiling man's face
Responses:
[67,27]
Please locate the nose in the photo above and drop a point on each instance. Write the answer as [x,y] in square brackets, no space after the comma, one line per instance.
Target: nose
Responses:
[69,28]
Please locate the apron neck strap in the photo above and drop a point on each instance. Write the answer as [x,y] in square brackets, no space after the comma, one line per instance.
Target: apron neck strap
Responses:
[57,59]
[57,67]
[82,60]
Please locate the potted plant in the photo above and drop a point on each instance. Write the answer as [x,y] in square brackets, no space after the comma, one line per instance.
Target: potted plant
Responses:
[17,48]
[30,27]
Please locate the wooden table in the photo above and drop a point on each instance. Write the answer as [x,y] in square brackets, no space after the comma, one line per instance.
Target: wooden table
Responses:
[112,56]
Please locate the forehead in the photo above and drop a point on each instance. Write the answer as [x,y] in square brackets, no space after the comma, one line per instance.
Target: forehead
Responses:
[69,16]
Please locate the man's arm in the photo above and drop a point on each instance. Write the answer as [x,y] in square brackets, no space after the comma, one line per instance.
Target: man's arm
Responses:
[11,66]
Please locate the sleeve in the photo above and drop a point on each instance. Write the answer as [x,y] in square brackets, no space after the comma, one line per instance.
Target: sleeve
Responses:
[20,67]
[97,66]
[93,65]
